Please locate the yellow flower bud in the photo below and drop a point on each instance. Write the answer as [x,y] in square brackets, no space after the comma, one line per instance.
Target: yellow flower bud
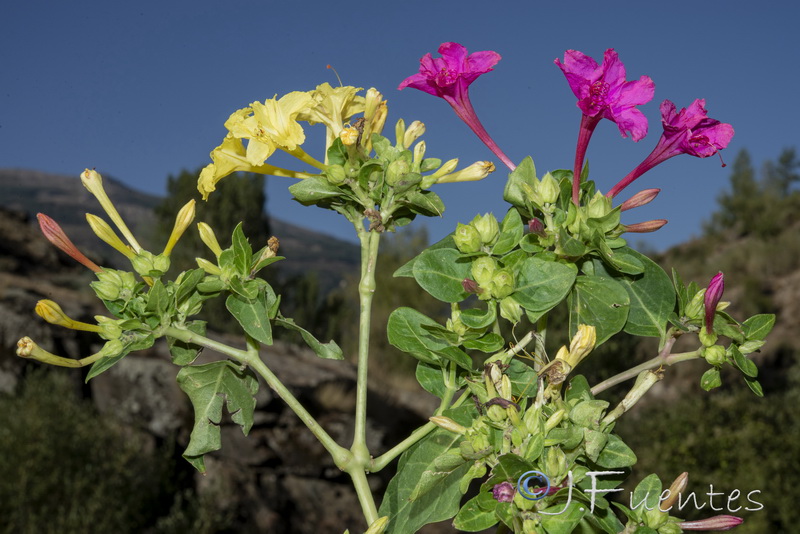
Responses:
[208,267]
[349,136]
[400,132]
[675,489]
[102,230]
[447,423]
[208,237]
[53,314]
[582,344]
[412,133]
[93,182]
[182,221]
[378,526]
[477,171]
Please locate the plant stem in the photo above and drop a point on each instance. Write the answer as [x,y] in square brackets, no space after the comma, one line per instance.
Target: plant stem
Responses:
[664,358]
[340,455]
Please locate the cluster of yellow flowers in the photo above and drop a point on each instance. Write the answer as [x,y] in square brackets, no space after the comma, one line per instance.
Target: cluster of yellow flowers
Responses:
[275,124]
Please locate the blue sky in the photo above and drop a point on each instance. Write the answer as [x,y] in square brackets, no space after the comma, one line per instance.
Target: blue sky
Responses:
[140,90]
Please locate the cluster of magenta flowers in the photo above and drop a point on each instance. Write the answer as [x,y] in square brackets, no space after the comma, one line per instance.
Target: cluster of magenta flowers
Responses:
[602,92]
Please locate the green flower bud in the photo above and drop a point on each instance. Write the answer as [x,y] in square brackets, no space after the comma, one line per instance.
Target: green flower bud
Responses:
[161,263]
[502,283]
[496,413]
[112,348]
[706,338]
[555,463]
[483,270]
[143,263]
[106,290]
[510,310]
[335,174]
[548,189]
[109,328]
[599,206]
[695,308]
[396,171]
[467,238]
[447,424]
[714,355]
[655,518]
[487,228]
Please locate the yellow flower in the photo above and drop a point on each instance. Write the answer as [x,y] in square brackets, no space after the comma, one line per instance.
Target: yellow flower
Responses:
[333,107]
[275,123]
[228,158]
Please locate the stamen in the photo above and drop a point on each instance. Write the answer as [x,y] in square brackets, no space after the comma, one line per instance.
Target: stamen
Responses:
[336,73]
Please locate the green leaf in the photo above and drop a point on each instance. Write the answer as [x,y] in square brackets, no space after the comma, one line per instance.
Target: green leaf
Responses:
[565,519]
[158,299]
[606,521]
[579,389]
[646,495]
[440,273]
[473,517]
[188,283]
[442,500]
[758,326]
[425,203]
[405,332]
[754,385]
[601,302]
[652,298]
[744,364]
[711,379]
[184,353]
[313,189]
[477,318]
[407,270]
[431,379]
[543,284]
[252,315]
[570,246]
[328,351]
[509,468]
[510,233]
[242,251]
[680,291]
[616,454]
[208,387]
[588,413]
[489,342]
[524,380]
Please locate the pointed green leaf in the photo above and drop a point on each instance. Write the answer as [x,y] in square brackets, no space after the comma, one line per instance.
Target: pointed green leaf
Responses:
[758,326]
[652,298]
[744,364]
[252,315]
[328,351]
[474,518]
[511,232]
[616,454]
[313,189]
[184,353]
[711,379]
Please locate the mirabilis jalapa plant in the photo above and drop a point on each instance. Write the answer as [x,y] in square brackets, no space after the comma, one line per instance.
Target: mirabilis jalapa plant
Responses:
[504,413]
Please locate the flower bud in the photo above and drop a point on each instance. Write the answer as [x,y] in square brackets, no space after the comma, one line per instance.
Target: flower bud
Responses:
[208,237]
[640,199]
[487,228]
[677,487]
[448,167]
[396,171]
[496,413]
[712,297]
[503,492]
[102,230]
[182,221]
[53,314]
[655,518]
[707,338]
[535,226]
[414,132]
[548,189]
[419,156]
[109,328]
[53,232]
[378,526]
[447,423]
[467,238]
[372,98]
[598,206]
[477,171]
[335,174]
[510,310]
[695,306]
[93,182]
[471,286]
[719,522]
[208,267]
[400,132]
[502,284]
[144,263]
[715,355]
[645,227]
[555,463]
[483,269]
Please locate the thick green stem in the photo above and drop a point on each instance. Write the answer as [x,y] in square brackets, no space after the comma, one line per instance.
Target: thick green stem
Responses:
[664,358]
[340,455]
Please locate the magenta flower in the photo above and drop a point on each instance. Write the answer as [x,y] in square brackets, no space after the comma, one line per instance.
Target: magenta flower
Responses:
[449,77]
[712,297]
[718,522]
[688,131]
[603,93]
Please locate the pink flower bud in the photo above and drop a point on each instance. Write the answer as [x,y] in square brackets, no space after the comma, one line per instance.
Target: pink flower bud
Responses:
[536,227]
[640,199]
[503,492]
[645,227]
[719,522]
[53,232]
[712,297]
[471,286]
